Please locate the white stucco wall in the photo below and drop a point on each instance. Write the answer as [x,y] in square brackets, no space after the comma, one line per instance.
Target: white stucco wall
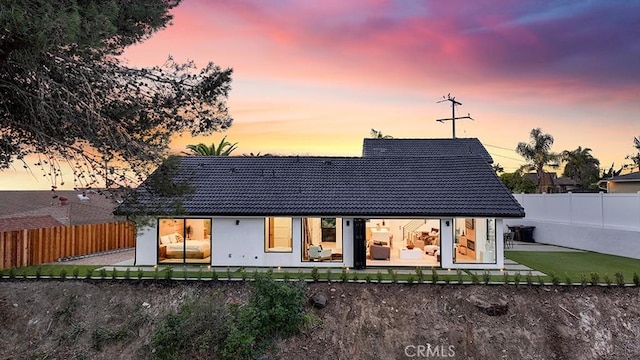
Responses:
[244,244]
[147,246]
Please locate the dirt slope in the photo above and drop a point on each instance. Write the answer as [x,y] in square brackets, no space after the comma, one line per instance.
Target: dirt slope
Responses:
[63,320]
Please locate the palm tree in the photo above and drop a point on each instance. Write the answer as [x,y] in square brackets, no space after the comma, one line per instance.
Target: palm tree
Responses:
[538,155]
[581,166]
[497,168]
[258,154]
[378,135]
[224,148]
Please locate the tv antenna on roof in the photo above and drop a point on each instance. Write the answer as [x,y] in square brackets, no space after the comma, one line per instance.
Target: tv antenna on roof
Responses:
[453,118]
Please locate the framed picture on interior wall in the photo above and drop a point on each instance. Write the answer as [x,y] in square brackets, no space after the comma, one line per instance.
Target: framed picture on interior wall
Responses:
[469,223]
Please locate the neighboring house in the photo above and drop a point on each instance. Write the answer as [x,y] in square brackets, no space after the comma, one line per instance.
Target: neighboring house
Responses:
[442,200]
[553,183]
[628,183]
[29,209]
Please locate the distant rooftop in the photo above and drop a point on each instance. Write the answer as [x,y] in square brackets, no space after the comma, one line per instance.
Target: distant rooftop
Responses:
[424,147]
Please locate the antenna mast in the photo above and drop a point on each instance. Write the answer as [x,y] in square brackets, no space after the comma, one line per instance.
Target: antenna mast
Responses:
[453,118]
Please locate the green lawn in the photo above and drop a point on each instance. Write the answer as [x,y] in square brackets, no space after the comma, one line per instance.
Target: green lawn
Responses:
[577,264]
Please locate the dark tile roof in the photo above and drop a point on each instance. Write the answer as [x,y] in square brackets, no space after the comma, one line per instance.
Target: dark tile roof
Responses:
[28,222]
[627,177]
[424,147]
[374,186]
[97,209]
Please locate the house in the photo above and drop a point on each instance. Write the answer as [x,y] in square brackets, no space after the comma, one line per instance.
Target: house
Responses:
[440,204]
[552,183]
[628,183]
[33,209]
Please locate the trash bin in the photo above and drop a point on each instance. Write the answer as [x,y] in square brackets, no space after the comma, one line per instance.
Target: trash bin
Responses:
[526,233]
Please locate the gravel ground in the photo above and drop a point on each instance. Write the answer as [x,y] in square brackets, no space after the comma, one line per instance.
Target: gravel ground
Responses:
[107,258]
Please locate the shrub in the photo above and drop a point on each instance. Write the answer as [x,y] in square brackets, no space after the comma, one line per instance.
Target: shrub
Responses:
[328,274]
[228,273]
[379,276]
[486,277]
[529,278]
[607,279]
[127,274]
[286,276]
[63,274]
[420,274]
[314,274]
[460,276]
[434,275]
[619,279]
[168,273]
[410,280]
[38,272]
[88,274]
[355,276]
[214,275]
[394,275]
[344,276]
[156,273]
[505,277]
[595,278]
[114,273]
[140,273]
[274,309]
[197,330]
[555,280]
[447,279]
[75,272]
[367,278]
[12,273]
[243,274]
[475,279]
[516,279]
[583,280]
[567,279]
[199,275]
[636,279]
[540,280]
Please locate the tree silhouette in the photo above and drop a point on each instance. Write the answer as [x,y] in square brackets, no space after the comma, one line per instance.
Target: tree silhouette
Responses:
[538,155]
[581,166]
[378,135]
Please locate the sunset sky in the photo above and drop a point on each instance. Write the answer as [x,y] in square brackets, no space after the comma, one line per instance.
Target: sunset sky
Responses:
[313,77]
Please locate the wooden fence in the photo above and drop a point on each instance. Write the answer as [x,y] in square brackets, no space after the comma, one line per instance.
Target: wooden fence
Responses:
[38,246]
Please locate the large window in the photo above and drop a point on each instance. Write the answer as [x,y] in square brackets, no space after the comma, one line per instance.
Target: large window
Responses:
[184,241]
[278,234]
[475,241]
[322,239]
